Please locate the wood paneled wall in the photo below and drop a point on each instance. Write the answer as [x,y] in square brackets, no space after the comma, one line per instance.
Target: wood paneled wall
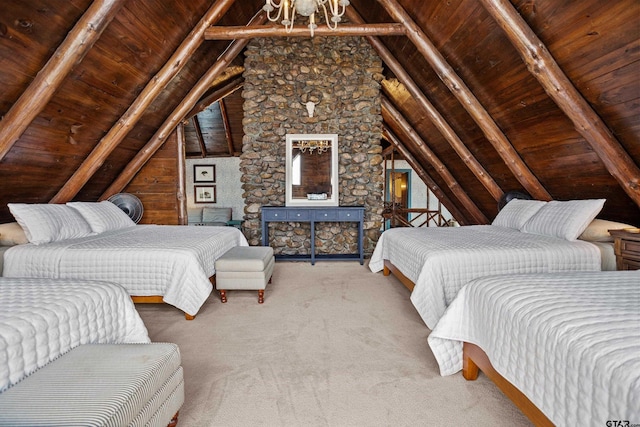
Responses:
[157,185]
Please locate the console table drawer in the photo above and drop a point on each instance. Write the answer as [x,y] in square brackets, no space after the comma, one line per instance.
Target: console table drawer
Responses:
[270,215]
[286,215]
[350,215]
[298,215]
[325,215]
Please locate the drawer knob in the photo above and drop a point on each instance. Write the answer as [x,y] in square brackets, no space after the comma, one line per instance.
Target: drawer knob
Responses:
[325,214]
[297,214]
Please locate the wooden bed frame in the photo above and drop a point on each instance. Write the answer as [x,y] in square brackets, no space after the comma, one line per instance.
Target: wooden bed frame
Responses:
[475,359]
[390,268]
[157,299]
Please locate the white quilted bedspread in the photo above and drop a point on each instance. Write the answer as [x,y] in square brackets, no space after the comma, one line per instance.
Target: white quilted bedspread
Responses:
[40,319]
[173,261]
[440,260]
[569,341]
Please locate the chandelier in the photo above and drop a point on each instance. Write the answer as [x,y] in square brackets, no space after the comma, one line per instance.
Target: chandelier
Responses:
[319,147]
[289,8]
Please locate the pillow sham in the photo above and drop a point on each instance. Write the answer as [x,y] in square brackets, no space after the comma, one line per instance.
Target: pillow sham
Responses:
[102,216]
[221,215]
[44,223]
[517,212]
[12,234]
[598,230]
[194,215]
[564,219]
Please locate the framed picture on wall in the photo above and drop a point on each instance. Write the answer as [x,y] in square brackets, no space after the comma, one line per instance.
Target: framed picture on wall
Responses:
[204,173]
[204,193]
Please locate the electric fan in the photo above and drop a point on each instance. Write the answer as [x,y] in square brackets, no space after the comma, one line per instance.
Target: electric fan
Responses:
[129,204]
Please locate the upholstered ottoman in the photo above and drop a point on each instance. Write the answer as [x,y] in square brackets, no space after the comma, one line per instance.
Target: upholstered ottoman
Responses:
[100,385]
[245,267]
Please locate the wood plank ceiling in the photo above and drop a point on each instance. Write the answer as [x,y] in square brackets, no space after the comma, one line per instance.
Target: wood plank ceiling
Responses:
[518,138]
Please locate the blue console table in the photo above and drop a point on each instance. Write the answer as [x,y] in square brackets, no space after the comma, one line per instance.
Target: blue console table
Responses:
[313,215]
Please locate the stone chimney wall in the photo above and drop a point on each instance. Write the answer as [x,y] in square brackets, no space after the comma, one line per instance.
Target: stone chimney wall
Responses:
[342,76]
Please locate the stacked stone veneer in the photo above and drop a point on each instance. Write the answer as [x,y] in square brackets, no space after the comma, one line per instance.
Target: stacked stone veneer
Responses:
[342,75]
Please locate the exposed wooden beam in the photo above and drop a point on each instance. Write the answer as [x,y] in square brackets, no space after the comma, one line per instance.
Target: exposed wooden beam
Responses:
[183,217]
[559,87]
[434,115]
[232,33]
[227,127]
[179,113]
[70,52]
[449,134]
[217,95]
[426,178]
[230,73]
[388,151]
[459,89]
[198,129]
[394,116]
[135,111]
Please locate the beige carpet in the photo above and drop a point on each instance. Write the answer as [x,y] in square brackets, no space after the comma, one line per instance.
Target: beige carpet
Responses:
[333,345]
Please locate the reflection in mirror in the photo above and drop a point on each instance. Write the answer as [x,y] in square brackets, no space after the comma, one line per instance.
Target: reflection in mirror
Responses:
[312,170]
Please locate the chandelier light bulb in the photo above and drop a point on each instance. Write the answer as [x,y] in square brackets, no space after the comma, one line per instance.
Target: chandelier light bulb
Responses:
[288,9]
[306,7]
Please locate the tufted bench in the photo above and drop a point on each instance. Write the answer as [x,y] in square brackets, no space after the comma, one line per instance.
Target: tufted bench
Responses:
[245,267]
[100,385]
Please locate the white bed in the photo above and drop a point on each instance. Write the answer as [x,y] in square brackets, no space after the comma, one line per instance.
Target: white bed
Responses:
[570,342]
[174,262]
[440,261]
[40,319]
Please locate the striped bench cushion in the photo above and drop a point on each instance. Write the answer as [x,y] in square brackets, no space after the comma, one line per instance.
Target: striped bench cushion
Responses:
[100,385]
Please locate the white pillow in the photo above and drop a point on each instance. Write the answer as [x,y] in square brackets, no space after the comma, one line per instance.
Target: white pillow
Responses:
[103,216]
[44,223]
[515,213]
[598,230]
[566,220]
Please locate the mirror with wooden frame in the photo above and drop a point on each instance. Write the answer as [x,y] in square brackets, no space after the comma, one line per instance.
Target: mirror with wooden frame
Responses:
[312,170]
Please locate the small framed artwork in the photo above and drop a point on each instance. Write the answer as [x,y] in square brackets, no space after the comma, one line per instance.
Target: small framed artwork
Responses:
[205,193]
[204,173]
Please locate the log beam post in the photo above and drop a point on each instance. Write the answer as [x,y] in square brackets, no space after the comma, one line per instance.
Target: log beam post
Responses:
[227,127]
[179,113]
[559,87]
[459,89]
[181,196]
[70,52]
[234,33]
[135,111]
[394,116]
[432,112]
[422,173]
[199,136]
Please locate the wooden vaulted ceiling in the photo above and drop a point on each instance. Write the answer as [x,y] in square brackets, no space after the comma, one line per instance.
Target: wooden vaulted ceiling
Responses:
[477,114]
